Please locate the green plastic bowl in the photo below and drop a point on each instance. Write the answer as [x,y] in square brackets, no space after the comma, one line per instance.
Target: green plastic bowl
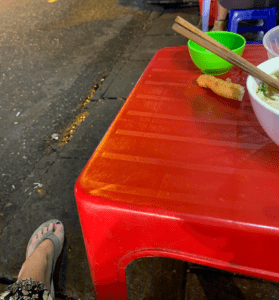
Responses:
[210,63]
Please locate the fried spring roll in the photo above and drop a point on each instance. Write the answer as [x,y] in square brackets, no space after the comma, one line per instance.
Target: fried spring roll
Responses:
[221,87]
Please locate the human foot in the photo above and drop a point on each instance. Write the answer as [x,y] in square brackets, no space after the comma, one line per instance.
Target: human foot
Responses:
[41,255]
[47,246]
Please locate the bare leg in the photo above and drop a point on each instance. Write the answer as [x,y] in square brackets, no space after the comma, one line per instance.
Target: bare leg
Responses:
[222,12]
[220,24]
[38,265]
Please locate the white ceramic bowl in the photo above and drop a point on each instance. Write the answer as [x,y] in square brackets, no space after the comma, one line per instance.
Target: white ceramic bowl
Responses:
[267,115]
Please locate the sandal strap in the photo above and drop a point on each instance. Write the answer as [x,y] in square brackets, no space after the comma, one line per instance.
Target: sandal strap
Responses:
[45,224]
[55,240]
[56,244]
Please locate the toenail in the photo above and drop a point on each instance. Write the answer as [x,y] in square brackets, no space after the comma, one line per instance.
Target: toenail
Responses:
[57,222]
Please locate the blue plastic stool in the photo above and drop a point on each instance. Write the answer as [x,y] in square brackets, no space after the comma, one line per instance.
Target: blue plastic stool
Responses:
[269,15]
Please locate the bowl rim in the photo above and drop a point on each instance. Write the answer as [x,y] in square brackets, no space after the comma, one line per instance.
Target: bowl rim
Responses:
[210,33]
[252,83]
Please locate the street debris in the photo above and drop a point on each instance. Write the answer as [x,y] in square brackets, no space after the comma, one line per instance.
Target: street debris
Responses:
[55,136]
[72,128]
[38,185]
[93,90]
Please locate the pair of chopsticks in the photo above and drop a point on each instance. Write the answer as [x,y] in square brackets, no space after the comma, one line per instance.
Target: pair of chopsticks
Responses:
[193,33]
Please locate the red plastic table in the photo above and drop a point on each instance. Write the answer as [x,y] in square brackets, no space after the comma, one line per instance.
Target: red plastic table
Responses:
[181,173]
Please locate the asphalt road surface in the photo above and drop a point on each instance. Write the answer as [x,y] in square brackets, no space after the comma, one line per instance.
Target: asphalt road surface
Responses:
[52,53]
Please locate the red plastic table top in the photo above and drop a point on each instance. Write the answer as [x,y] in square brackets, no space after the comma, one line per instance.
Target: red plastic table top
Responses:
[181,149]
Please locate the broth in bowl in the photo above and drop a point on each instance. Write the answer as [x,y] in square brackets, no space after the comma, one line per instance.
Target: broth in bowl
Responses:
[267,115]
[269,94]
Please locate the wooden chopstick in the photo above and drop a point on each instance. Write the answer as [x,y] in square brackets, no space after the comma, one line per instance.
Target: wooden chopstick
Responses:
[193,33]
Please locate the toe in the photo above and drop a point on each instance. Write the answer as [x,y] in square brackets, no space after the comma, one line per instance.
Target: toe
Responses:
[35,238]
[51,227]
[39,234]
[45,229]
[59,231]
